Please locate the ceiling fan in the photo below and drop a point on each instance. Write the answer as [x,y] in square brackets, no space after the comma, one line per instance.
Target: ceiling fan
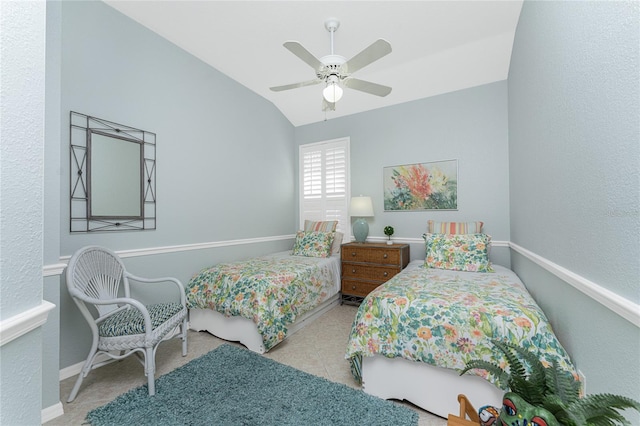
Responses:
[335,71]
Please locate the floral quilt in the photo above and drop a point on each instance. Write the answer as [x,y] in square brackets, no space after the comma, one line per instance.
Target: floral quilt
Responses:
[447,318]
[272,291]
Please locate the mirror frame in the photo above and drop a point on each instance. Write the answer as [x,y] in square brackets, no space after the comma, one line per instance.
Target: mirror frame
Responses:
[82,127]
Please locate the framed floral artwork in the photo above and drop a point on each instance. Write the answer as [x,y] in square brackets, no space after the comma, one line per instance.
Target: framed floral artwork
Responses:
[423,186]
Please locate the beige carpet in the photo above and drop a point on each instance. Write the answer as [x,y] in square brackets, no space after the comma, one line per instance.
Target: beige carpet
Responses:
[317,349]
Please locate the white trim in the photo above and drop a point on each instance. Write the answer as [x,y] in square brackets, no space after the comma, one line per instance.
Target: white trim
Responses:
[58,268]
[618,304]
[53,269]
[50,413]
[75,369]
[421,241]
[26,321]
[200,246]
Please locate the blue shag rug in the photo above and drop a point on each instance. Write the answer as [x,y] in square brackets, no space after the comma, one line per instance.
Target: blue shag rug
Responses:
[234,386]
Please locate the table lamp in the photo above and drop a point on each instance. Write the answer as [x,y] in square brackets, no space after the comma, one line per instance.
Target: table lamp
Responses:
[360,208]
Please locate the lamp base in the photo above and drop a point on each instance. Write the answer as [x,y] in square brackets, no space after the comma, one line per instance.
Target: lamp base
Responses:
[360,230]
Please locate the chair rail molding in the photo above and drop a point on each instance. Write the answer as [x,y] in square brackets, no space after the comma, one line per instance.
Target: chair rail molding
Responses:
[26,321]
[58,268]
[618,304]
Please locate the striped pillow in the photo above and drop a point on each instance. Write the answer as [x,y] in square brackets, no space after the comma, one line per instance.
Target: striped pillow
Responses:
[454,227]
[320,226]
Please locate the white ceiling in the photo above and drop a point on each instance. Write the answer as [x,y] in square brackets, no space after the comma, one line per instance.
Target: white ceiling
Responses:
[438,46]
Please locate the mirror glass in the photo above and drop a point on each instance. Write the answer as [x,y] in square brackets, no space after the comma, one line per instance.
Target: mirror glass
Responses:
[115,177]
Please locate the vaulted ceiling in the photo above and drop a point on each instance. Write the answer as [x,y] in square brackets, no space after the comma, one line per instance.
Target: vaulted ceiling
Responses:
[437,46]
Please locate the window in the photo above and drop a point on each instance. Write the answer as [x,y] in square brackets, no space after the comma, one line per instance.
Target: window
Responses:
[324,182]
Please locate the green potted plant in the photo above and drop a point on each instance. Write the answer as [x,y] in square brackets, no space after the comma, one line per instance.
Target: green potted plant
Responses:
[548,396]
[388,231]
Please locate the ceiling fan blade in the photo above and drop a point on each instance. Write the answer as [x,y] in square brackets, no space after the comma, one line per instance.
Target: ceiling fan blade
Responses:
[367,86]
[295,85]
[302,53]
[375,51]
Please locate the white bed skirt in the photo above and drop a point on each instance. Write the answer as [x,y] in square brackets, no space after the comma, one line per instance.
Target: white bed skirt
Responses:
[243,330]
[432,388]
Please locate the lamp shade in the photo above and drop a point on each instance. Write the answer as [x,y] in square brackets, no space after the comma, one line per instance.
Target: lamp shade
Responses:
[361,207]
[332,93]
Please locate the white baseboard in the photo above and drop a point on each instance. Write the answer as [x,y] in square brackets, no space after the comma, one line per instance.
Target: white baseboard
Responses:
[50,413]
[75,369]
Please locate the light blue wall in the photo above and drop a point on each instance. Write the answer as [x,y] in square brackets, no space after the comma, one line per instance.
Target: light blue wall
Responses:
[225,162]
[574,143]
[468,125]
[22,116]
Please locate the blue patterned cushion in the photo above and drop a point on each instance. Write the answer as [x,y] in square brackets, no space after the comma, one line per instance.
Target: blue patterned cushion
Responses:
[130,321]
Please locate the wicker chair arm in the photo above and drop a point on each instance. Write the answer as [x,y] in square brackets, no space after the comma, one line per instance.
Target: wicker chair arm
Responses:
[177,282]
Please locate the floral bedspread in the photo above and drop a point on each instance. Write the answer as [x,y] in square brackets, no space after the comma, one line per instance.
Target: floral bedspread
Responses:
[272,291]
[446,318]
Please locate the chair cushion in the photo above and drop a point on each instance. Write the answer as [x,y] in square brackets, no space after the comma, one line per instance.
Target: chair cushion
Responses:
[131,322]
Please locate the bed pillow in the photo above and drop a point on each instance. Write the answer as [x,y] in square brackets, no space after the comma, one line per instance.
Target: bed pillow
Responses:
[320,226]
[337,243]
[458,252]
[313,244]
[454,227]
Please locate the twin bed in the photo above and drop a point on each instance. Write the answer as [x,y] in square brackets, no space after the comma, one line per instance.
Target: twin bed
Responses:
[411,336]
[260,301]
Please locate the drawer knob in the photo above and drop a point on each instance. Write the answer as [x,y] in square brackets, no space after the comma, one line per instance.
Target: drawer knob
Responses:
[385,255]
[386,273]
[353,288]
[353,253]
[353,271]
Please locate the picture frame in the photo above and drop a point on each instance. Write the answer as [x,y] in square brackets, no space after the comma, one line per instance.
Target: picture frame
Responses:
[421,186]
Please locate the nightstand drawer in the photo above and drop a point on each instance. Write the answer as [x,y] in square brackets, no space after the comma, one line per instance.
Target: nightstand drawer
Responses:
[367,265]
[368,254]
[358,288]
[368,272]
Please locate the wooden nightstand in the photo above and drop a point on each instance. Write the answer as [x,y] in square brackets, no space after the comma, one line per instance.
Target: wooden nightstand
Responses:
[367,265]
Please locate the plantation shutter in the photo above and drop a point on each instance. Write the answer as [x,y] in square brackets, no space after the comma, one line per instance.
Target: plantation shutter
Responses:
[324,183]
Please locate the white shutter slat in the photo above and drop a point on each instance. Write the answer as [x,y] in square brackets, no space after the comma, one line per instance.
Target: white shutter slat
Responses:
[324,171]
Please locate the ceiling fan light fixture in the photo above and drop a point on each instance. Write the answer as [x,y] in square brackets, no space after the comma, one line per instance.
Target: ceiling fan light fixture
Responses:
[333,92]
[335,71]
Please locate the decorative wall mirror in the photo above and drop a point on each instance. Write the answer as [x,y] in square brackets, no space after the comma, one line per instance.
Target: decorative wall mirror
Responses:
[112,176]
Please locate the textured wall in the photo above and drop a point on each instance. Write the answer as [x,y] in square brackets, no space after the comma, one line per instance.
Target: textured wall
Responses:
[22,53]
[574,143]
[574,121]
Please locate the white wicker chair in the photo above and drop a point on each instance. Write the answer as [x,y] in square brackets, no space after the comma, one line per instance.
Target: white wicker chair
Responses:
[123,326]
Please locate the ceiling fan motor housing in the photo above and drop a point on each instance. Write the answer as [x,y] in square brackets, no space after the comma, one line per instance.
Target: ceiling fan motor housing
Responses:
[332,66]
